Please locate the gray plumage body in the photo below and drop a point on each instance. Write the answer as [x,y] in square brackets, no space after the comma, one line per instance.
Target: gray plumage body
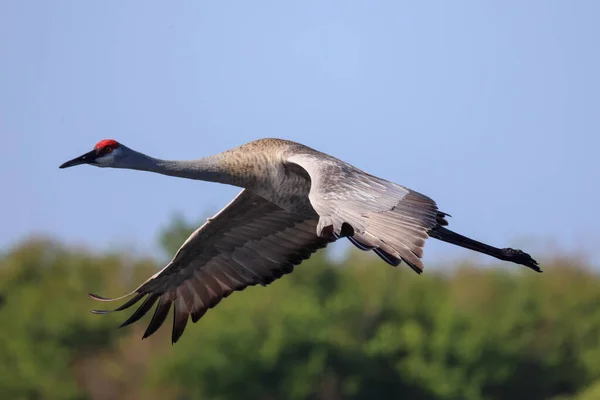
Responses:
[260,167]
[294,201]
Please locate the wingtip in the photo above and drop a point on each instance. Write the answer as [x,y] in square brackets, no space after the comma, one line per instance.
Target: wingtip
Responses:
[108,299]
[147,335]
[100,312]
[99,298]
[124,324]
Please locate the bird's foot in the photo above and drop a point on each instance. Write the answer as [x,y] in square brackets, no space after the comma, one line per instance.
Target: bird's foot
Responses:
[520,257]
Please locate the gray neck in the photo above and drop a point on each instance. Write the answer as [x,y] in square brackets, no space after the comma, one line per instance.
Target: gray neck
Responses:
[204,169]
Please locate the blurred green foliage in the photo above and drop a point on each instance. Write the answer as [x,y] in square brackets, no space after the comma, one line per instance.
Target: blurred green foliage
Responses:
[357,330]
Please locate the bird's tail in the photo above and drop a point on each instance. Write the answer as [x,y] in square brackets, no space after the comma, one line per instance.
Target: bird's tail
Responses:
[507,254]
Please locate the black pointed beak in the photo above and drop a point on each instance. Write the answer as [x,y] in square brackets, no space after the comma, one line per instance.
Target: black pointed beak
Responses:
[87,158]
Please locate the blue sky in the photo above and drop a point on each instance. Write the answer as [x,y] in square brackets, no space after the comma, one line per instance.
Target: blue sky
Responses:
[490,108]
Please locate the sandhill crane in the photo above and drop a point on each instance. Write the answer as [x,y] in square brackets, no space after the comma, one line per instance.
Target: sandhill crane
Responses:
[294,201]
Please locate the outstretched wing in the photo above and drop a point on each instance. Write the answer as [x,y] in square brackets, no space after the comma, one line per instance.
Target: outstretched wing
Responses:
[251,241]
[387,218]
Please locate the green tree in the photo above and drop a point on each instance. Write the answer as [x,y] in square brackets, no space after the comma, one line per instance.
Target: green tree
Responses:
[45,318]
[354,330]
[368,331]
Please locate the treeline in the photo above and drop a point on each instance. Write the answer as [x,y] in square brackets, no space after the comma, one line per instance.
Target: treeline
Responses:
[358,330]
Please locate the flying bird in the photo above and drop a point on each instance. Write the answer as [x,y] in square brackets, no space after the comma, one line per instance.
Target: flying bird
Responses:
[294,201]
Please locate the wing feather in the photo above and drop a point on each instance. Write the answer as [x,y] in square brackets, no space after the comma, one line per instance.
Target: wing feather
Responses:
[387,218]
[251,241]
[160,314]
[181,315]
[142,310]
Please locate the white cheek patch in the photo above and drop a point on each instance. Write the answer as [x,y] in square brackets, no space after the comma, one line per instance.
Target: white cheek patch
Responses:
[107,160]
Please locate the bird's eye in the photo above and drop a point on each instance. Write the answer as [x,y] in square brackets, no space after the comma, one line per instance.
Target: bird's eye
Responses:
[108,149]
